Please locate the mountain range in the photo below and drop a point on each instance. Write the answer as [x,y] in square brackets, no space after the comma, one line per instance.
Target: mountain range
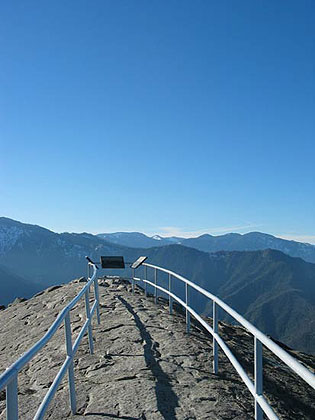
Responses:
[139,240]
[273,290]
[252,241]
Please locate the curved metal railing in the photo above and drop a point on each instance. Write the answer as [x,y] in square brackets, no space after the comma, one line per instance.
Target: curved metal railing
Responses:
[9,379]
[260,339]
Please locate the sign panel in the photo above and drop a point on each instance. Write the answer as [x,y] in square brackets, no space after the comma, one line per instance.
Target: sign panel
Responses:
[112,262]
[139,261]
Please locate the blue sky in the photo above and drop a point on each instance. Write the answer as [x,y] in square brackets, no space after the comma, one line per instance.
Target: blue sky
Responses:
[171,117]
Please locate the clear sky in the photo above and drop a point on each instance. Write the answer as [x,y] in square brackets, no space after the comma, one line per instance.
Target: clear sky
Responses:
[170,117]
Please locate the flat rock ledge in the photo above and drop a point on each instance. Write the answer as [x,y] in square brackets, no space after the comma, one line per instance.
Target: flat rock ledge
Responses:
[144,366]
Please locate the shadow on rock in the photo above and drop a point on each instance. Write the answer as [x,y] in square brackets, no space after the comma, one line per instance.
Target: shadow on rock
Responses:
[114,416]
[166,398]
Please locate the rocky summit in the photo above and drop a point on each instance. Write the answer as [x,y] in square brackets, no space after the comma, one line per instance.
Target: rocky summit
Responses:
[144,366]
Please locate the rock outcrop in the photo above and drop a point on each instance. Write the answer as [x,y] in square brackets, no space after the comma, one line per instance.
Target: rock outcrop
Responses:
[144,364]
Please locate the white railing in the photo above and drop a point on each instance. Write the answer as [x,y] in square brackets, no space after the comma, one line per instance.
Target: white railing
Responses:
[260,339]
[9,379]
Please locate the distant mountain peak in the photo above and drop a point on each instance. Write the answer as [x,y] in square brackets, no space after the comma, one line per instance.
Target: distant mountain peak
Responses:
[203,236]
[9,234]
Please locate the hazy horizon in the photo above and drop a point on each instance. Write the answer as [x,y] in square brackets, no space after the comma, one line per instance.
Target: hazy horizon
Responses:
[171,231]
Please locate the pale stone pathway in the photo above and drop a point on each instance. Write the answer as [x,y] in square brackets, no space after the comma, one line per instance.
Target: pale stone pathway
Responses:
[144,366]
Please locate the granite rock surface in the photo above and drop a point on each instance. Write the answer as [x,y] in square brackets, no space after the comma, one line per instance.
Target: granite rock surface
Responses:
[144,366]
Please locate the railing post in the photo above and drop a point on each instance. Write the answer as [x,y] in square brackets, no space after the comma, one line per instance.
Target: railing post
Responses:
[258,377]
[170,299]
[133,281]
[73,402]
[88,316]
[155,282]
[187,311]
[145,284]
[88,271]
[97,298]
[214,341]
[12,399]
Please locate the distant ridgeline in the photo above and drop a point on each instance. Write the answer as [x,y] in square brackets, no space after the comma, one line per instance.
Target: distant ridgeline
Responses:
[253,241]
[273,290]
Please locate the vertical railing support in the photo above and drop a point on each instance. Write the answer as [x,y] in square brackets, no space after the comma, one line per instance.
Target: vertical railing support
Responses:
[73,402]
[170,299]
[187,311]
[155,282]
[214,341]
[145,278]
[133,281]
[12,399]
[97,298]
[258,377]
[88,316]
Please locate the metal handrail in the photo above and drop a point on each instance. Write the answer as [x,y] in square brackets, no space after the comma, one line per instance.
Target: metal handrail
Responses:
[9,378]
[256,387]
